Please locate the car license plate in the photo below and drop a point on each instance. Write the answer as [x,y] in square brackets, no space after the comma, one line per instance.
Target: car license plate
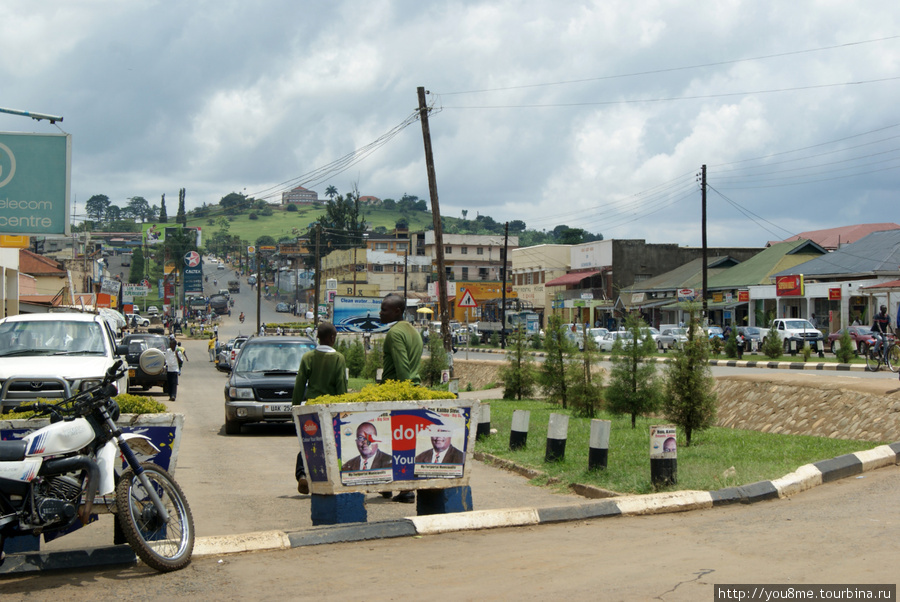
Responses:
[131,373]
[276,408]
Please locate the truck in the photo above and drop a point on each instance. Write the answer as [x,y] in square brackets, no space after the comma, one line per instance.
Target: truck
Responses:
[234,286]
[219,304]
[518,313]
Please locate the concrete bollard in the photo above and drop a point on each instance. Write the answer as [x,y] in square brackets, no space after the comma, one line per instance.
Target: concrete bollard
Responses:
[598,445]
[484,422]
[557,431]
[518,434]
[663,456]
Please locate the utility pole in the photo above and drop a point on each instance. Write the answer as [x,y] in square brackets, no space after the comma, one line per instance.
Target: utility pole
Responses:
[318,276]
[503,272]
[438,229]
[703,234]
[258,287]
[406,271]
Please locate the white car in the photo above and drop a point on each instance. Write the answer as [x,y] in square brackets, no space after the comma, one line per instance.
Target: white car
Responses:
[152,311]
[610,338]
[138,320]
[671,338]
[38,352]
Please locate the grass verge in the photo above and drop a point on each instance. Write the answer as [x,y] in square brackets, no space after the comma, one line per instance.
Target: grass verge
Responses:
[705,465]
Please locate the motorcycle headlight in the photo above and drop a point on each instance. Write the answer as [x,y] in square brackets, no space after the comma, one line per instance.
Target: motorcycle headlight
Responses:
[240,393]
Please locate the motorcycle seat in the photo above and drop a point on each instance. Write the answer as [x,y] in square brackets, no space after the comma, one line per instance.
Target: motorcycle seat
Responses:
[12,451]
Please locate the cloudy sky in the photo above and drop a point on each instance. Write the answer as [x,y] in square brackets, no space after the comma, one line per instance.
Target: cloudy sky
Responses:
[597,115]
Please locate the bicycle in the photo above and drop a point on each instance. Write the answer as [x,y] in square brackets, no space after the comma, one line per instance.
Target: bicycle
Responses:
[889,355]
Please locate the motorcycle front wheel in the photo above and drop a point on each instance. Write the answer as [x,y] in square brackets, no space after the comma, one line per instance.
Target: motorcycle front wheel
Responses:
[162,545]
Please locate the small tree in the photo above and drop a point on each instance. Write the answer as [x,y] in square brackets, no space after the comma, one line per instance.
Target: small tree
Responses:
[374,361]
[690,400]
[356,359]
[554,375]
[846,350]
[772,345]
[586,393]
[437,360]
[519,374]
[731,343]
[633,385]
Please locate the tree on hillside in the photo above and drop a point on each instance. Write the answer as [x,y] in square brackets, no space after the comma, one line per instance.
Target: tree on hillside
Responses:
[233,203]
[163,214]
[389,204]
[96,207]
[516,225]
[181,217]
[402,224]
[138,208]
[331,192]
[136,273]
[265,241]
[342,223]
[113,214]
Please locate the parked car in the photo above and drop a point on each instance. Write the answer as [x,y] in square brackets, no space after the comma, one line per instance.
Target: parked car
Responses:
[146,360]
[610,338]
[752,335]
[861,335]
[136,320]
[152,311]
[597,334]
[251,279]
[228,353]
[798,330]
[671,338]
[282,308]
[37,350]
[715,332]
[261,383]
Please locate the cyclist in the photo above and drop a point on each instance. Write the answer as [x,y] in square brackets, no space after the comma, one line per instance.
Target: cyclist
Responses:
[880,327]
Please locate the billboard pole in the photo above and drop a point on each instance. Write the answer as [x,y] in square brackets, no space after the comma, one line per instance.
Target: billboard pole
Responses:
[36,116]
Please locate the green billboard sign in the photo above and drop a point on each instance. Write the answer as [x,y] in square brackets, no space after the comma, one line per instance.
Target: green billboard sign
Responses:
[35,175]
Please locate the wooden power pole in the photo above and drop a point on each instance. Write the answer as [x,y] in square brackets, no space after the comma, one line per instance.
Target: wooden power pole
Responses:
[438,229]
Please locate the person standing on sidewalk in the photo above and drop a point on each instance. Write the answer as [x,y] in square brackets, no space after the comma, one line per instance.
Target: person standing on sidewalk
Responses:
[322,372]
[173,368]
[402,356]
[212,347]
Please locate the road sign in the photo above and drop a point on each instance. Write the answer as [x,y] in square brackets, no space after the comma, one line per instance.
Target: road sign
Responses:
[467,299]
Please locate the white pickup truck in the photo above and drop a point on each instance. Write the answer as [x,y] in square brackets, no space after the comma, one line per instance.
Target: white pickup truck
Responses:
[800,331]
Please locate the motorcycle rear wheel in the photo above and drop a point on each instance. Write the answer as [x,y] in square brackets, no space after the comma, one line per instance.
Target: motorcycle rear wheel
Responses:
[163,546]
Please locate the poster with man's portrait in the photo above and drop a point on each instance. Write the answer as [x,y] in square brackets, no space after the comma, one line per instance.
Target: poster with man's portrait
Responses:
[441,448]
[365,448]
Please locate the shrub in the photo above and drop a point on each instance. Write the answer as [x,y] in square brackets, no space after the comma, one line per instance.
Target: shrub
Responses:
[845,352]
[495,340]
[633,385]
[374,361]
[772,345]
[390,390]
[519,374]
[731,343]
[355,357]
[536,341]
[437,361]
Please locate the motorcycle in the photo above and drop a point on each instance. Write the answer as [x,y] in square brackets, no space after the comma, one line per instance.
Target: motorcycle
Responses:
[242,317]
[66,471]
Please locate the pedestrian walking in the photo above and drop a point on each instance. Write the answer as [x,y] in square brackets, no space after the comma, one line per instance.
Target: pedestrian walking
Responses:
[173,368]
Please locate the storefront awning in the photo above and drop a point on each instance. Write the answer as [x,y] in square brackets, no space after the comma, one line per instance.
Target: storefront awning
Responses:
[573,278]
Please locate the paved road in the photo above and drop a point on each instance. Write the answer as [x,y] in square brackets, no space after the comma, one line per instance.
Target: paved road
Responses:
[841,533]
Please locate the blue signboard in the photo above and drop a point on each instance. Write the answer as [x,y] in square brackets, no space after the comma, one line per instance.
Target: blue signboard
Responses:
[358,314]
[35,172]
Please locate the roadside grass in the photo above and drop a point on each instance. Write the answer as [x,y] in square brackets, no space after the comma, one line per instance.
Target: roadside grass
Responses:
[706,465]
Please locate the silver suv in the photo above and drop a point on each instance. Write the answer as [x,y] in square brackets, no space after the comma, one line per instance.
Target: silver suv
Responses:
[43,354]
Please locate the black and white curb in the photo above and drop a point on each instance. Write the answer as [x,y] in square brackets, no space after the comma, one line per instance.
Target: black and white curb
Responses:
[805,477]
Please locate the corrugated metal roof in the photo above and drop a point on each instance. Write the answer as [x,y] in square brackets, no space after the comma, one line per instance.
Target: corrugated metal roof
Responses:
[573,278]
[876,254]
[760,268]
[834,238]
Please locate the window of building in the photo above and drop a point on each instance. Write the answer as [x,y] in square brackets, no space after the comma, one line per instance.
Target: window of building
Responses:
[464,250]
[381,246]
[401,246]
[449,273]
[479,251]
[529,278]
[414,268]
[483,273]
[377,268]
[465,272]
[448,250]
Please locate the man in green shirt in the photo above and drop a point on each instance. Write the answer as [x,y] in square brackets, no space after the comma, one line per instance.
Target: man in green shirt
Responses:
[321,372]
[402,356]
[403,343]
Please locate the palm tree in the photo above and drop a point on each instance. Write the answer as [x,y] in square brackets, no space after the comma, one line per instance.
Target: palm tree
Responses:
[331,192]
